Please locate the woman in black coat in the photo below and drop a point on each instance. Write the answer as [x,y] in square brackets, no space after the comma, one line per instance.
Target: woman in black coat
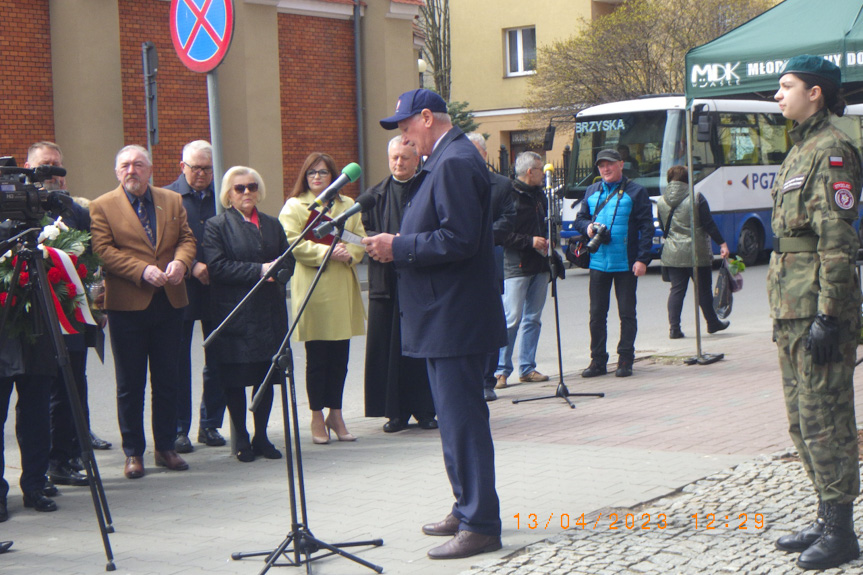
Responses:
[240,246]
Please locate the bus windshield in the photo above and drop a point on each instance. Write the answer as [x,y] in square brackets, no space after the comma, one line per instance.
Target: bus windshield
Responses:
[649,142]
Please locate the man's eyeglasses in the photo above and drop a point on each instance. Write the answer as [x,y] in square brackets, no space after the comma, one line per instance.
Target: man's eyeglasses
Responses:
[241,189]
[202,169]
[322,173]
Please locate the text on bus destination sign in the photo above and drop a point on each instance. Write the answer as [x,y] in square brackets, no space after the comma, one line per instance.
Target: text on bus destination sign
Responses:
[599,126]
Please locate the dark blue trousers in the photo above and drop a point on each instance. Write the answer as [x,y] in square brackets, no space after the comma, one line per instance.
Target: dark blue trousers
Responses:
[212,410]
[468,450]
[32,428]
[140,338]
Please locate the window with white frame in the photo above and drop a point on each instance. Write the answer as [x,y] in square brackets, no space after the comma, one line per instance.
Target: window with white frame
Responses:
[520,51]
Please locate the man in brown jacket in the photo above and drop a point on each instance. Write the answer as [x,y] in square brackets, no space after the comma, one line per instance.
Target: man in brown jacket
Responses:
[142,236]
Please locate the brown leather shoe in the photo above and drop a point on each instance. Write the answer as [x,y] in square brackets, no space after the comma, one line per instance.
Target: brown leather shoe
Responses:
[171,460]
[134,467]
[448,527]
[465,544]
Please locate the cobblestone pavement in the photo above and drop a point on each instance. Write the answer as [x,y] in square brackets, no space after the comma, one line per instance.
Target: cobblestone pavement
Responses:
[724,523]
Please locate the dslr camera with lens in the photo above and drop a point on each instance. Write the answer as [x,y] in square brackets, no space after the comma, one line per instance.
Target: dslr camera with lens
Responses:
[601,235]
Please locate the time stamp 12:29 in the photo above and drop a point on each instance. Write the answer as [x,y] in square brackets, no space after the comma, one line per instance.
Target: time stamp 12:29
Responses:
[640,521]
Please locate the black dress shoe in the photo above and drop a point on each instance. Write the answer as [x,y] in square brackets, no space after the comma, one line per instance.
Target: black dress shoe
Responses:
[183,444]
[4,511]
[211,436]
[50,490]
[466,544]
[489,394]
[245,453]
[38,501]
[63,474]
[265,448]
[76,463]
[98,443]
[428,423]
[723,324]
[394,425]
[4,546]
[675,333]
[594,369]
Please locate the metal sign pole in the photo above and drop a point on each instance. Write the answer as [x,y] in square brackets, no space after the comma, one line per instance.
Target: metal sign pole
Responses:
[215,133]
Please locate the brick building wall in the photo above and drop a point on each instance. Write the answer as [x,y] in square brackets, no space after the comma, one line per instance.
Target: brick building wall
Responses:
[182,94]
[27,102]
[318,99]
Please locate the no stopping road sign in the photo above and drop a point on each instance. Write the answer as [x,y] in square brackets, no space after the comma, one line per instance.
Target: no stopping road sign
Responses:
[201,31]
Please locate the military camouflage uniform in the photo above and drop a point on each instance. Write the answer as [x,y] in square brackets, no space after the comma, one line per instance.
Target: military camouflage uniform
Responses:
[815,204]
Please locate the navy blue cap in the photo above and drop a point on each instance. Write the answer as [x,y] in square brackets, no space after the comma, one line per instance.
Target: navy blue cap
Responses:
[412,103]
[815,65]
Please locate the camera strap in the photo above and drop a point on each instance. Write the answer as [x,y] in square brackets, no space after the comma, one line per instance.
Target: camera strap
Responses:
[608,199]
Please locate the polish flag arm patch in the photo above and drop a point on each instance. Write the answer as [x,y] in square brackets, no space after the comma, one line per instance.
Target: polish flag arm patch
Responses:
[837,162]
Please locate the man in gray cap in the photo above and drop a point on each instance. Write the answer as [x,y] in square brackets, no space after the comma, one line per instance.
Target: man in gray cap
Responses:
[616,215]
[451,310]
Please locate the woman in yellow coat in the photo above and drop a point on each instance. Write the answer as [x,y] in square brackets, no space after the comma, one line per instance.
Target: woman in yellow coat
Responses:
[335,311]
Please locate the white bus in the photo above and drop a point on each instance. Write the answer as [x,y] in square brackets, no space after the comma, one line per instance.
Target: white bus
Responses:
[739,146]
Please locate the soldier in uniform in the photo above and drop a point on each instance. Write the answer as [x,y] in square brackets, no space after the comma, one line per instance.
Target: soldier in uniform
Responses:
[815,304]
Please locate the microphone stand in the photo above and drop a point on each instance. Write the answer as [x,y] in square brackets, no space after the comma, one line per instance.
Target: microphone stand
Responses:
[305,544]
[30,253]
[561,391]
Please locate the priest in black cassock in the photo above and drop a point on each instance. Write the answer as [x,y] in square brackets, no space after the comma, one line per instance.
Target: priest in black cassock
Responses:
[397,387]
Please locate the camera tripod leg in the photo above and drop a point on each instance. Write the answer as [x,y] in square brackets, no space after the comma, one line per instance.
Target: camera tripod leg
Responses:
[51,324]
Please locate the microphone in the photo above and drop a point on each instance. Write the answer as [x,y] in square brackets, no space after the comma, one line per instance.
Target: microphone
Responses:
[350,173]
[363,204]
[548,169]
[47,172]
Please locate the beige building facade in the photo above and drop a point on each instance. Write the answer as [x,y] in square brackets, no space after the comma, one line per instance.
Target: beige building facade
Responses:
[493,46]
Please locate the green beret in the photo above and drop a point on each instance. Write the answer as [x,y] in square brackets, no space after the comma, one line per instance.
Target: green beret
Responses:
[816,66]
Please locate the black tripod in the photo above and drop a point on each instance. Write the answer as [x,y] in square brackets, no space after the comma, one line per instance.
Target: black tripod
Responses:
[28,251]
[561,390]
[299,546]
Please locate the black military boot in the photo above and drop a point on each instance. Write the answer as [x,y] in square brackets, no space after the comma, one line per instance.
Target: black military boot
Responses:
[837,544]
[801,540]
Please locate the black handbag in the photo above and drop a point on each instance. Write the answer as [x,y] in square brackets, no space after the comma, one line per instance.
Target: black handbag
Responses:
[577,253]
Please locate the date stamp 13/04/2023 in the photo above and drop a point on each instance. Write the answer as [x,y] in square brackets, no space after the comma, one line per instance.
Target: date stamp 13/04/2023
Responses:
[638,521]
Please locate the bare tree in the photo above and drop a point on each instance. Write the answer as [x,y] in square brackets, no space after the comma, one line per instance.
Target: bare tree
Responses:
[435,26]
[638,49]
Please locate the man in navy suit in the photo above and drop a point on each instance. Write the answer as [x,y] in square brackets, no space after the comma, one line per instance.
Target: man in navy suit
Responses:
[451,310]
[195,184]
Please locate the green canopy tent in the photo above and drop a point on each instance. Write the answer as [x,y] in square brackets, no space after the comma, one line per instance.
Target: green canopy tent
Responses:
[747,61]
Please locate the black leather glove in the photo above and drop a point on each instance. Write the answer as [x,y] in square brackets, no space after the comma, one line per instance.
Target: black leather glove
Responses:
[823,340]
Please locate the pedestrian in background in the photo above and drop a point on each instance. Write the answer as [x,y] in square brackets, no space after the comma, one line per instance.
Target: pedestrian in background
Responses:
[675,217]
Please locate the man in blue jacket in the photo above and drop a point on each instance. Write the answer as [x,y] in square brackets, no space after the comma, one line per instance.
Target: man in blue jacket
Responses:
[195,184]
[623,208]
[451,310]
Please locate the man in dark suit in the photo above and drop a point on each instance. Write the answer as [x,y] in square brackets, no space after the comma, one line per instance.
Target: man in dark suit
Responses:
[195,185]
[142,236]
[452,313]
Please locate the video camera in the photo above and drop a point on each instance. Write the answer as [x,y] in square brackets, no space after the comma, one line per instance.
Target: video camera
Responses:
[21,199]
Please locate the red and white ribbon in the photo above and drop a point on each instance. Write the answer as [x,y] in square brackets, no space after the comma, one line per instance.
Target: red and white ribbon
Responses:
[63,262]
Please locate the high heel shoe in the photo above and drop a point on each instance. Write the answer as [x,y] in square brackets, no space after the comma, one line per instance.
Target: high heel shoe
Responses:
[347,435]
[320,439]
